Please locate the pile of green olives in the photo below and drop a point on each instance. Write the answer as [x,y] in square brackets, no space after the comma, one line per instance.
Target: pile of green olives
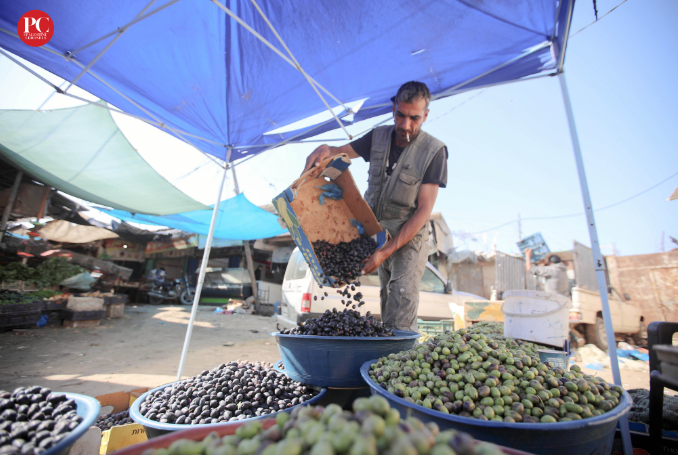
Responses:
[470,374]
[372,429]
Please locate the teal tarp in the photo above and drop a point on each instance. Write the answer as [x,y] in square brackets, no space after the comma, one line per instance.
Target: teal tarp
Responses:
[238,219]
[81,151]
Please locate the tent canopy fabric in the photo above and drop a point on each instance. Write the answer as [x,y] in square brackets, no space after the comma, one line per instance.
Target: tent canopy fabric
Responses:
[190,66]
[81,151]
[237,219]
[65,232]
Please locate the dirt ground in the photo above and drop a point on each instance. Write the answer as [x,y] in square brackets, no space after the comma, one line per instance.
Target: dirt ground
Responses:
[142,349]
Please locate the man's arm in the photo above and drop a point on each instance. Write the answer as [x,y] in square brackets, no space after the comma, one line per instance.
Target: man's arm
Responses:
[326,151]
[425,201]
[528,260]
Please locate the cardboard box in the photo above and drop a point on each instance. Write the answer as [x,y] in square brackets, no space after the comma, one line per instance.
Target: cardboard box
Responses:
[308,221]
[124,435]
[87,324]
[115,310]
[85,303]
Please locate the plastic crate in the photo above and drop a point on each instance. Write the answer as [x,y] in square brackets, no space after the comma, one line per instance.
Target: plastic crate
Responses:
[22,308]
[55,305]
[536,242]
[71,315]
[115,299]
[10,321]
[433,328]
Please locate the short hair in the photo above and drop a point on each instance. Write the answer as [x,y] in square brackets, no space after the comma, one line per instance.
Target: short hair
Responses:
[412,91]
[555,259]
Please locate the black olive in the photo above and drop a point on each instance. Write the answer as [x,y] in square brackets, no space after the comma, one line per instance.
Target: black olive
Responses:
[56,398]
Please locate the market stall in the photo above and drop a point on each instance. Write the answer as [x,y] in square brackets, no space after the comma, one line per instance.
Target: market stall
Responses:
[508,45]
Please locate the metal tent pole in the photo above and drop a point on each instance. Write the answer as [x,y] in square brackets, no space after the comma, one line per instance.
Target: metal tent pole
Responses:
[248,255]
[597,258]
[203,266]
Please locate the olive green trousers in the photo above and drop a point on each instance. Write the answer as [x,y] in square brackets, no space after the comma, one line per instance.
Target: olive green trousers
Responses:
[399,277]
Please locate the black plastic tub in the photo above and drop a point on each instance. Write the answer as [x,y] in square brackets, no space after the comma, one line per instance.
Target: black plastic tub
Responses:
[593,436]
[155,429]
[335,361]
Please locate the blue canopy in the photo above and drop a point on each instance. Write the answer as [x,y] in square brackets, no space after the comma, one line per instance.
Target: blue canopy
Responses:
[249,223]
[190,66]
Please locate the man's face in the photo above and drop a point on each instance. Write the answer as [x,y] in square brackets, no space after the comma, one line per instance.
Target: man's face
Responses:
[409,117]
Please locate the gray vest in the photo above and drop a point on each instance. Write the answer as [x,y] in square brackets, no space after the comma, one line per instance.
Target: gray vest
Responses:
[394,199]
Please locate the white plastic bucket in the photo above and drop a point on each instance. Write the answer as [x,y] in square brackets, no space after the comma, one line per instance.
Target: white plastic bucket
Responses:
[536,316]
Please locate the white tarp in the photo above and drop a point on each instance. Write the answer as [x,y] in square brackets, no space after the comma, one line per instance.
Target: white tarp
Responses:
[63,231]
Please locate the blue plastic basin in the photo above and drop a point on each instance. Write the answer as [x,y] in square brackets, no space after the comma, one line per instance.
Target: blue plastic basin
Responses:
[155,429]
[593,436]
[86,407]
[335,361]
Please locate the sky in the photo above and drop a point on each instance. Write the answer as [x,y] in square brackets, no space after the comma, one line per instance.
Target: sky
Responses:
[510,152]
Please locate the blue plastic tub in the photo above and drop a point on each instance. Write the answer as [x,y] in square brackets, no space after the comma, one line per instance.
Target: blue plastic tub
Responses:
[335,361]
[86,407]
[592,436]
[155,429]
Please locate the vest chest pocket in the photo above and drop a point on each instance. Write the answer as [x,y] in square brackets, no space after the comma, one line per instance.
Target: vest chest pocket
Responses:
[377,156]
[405,189]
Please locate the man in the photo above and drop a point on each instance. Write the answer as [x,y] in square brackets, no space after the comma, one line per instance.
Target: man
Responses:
[257,273]
[555,273]
[157,276]
[407,167]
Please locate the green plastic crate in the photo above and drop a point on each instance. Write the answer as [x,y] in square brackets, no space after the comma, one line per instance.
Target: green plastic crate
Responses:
[433,328]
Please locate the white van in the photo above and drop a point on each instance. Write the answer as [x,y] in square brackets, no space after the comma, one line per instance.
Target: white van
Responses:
[301,295]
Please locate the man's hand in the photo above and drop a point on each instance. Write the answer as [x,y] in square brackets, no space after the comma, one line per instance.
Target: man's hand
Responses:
[374,261]
[315,158]
[528,259]
[325,151]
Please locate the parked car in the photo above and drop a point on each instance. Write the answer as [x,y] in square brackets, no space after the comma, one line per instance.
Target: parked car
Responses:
[233,283]
[586,318]
[301,295]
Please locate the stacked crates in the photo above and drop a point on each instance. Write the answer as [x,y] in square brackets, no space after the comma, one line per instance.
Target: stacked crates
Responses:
[434,328]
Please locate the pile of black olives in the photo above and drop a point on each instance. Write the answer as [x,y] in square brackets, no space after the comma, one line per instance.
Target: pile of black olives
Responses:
[343,260]
[229,392]
[33,419]
[113,420]
[347,323]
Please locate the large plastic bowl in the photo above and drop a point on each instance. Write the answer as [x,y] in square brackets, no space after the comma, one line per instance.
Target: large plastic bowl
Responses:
[593,436]
[88,408]
[335,361]
[155,429]
[198,434]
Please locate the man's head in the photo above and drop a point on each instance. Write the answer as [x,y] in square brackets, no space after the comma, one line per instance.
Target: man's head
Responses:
[260,267]
[554,259]
[410,109]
